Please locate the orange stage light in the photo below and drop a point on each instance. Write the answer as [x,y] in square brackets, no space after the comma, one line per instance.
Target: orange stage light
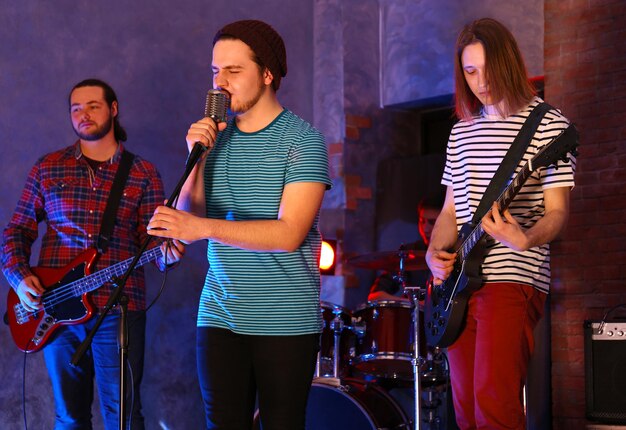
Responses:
[328,257]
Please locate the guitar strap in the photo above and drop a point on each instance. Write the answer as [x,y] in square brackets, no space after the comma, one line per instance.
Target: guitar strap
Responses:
[510,161]
[108,218]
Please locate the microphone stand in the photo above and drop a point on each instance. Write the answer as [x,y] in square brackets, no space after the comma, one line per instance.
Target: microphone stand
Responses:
[118,298]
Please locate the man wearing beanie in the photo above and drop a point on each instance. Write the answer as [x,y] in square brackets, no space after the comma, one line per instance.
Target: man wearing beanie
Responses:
[255,197]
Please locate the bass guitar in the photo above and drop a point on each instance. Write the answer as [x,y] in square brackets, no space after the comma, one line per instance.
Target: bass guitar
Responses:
[445,305]
[65,300]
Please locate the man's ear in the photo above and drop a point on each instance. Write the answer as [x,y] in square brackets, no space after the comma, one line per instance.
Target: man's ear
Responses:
[114,109]
[268,78]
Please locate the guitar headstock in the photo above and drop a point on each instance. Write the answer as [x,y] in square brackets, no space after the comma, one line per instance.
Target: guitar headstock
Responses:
[559,149]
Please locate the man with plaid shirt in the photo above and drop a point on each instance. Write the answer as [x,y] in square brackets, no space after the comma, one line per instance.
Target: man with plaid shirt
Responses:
[69,190]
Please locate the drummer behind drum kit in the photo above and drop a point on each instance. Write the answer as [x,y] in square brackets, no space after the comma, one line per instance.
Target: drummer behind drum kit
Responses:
[368,355]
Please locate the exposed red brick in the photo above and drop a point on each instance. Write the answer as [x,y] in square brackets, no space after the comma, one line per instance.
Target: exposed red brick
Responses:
[358,121]
[585,70]
[335,148]
[352,133]
[352,181]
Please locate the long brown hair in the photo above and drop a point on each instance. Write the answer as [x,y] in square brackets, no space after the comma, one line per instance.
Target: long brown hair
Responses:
[504,68]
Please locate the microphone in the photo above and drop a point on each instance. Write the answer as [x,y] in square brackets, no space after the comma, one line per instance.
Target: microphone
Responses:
[217,104]
[216,108]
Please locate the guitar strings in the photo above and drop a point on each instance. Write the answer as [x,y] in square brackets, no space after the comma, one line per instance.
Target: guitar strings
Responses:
[68,291]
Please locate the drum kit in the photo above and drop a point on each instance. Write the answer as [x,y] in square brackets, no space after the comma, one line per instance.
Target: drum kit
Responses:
[379,348]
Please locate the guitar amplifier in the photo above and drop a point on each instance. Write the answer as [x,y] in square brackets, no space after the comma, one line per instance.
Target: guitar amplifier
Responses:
[605,371]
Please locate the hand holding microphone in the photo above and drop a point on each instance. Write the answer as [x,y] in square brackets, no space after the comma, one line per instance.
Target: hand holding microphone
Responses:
[202,134]
[171,223]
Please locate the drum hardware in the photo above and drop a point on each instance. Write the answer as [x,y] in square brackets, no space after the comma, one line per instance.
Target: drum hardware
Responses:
[383,349]
[384,344]
[430,405]
[337,342]
[337,327]
[414,293]
[429,374]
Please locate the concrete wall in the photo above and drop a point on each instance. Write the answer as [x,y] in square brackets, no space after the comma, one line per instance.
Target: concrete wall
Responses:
[417,42]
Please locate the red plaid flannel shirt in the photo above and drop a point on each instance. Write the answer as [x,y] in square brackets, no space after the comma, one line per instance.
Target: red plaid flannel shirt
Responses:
[70,197]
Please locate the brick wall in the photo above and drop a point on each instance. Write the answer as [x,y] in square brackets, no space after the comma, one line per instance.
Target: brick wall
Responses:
[585,69]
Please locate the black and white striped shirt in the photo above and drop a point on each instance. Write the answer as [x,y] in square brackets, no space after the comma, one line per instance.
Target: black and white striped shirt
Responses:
[475,150]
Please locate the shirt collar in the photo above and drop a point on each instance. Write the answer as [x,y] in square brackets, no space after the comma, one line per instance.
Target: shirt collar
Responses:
[78,153]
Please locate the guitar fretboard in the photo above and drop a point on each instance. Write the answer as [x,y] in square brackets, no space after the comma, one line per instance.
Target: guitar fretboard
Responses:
[101,277]
[503,201]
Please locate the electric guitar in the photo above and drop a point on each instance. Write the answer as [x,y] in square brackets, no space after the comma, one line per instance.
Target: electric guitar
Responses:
[445,306]
[65,300]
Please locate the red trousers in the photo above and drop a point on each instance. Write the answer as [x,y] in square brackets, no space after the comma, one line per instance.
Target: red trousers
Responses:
[489,361]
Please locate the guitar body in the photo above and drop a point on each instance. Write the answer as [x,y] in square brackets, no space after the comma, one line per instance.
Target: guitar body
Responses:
[446,304]
[31,330]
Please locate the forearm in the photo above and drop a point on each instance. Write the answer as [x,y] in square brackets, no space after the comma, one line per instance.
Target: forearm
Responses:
[192,198]
[547,228]
[16,274]
[262,235]
[444,233]
[15,258]
[297,213]
[445,230]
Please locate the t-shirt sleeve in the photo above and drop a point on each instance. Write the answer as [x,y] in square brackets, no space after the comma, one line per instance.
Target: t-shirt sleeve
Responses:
[308,160]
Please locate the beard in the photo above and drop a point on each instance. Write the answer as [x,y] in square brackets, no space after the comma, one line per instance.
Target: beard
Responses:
[98,134]
[246,105]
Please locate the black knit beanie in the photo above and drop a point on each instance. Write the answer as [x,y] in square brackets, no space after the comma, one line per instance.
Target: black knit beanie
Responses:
[264,41]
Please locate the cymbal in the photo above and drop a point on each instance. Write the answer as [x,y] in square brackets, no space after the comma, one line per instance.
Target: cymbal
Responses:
[390,260]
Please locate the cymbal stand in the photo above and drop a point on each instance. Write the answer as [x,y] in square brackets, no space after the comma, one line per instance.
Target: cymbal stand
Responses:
[413,293]
[417,361]
[337,327]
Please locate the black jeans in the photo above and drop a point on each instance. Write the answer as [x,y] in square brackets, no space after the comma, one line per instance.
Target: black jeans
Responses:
[233,367]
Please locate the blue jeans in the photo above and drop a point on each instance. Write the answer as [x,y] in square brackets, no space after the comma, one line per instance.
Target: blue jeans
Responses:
[73,386]
[233,368]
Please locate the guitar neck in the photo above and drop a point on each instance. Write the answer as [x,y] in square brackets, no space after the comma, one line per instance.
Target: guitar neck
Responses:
[503,202]
[101,277]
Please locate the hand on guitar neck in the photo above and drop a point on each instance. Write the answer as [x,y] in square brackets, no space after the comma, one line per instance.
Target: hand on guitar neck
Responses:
[501,226]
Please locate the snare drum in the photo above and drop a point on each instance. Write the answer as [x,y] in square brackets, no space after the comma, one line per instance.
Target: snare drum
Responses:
[385,348]
[331,314]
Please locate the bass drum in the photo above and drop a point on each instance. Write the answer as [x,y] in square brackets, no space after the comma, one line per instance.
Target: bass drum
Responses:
[352,405]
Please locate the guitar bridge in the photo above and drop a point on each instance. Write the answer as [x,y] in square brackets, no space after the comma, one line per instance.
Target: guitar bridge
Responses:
[22,316]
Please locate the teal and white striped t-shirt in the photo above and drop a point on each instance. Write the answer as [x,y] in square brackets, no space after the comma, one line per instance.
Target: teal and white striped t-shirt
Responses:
[252,292]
